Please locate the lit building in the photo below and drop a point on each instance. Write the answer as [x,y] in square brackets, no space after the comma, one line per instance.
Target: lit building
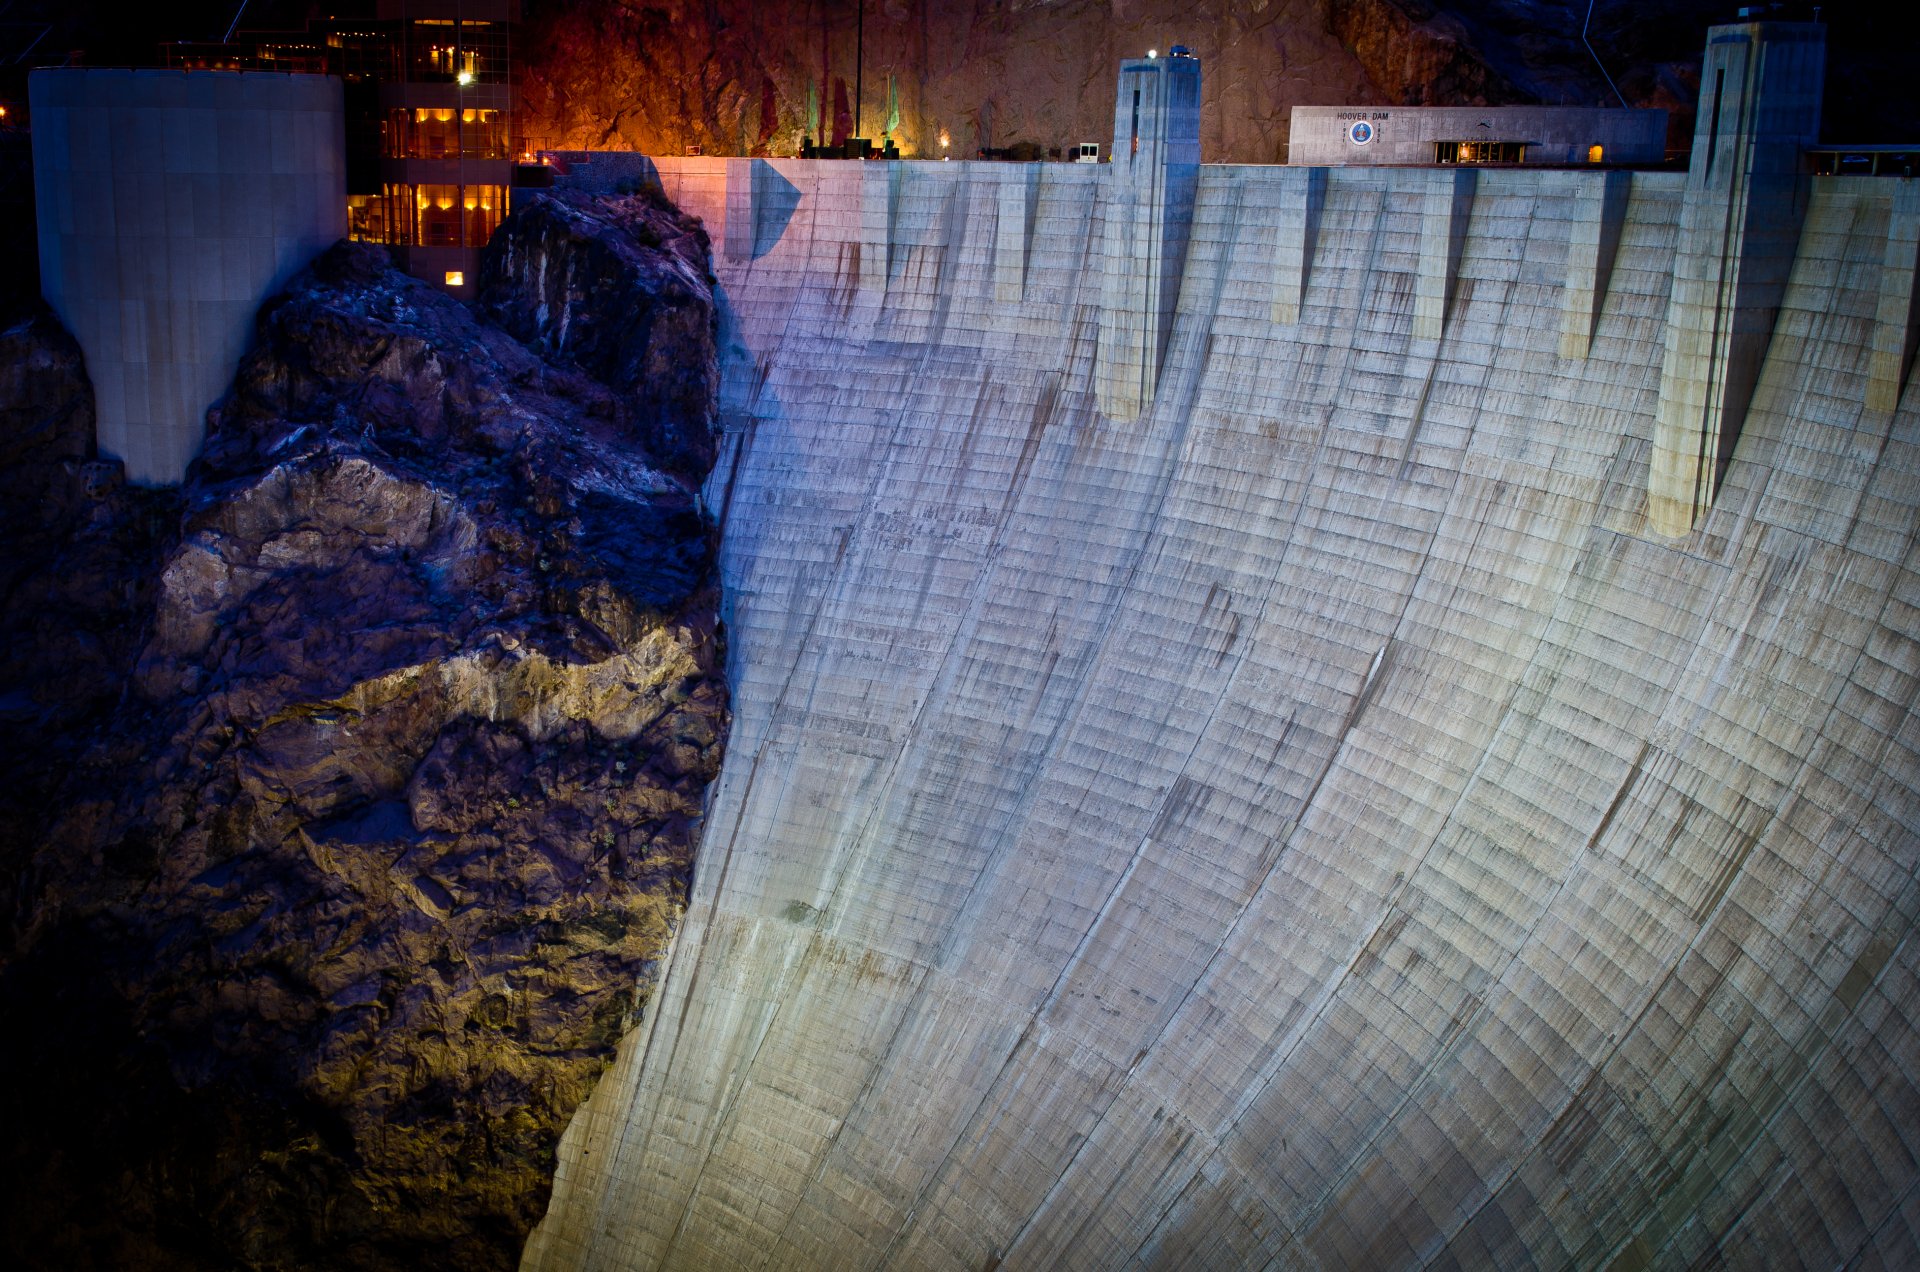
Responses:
[1336,136]
[429,79]
[429,110]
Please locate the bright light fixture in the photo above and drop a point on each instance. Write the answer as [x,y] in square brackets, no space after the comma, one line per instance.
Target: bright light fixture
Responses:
[464,78]
[1152,53]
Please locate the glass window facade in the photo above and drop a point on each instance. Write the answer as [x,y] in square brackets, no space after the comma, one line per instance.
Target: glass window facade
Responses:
[1480,152]
[432,128]
[445,50]
[429,124]
[428,215]
[446,132]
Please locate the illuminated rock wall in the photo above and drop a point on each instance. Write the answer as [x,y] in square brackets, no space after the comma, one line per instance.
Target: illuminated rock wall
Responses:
[1316,823]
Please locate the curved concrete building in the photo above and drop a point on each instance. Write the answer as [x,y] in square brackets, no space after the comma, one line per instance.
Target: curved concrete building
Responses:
[1321,822]
[171,204]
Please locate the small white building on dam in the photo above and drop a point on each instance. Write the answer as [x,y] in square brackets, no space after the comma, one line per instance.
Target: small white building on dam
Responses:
[1333,136]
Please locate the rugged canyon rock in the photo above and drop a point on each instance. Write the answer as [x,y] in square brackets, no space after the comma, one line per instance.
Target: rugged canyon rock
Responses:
[78,543]
[331,915]
[629,308]
[733,77]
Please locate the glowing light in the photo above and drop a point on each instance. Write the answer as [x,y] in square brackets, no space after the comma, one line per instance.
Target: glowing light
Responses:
[456,278]
[945,140]
[464,78]
[1152,53]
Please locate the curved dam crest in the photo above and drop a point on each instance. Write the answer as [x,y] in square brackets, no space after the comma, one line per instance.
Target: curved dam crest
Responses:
[1313,823]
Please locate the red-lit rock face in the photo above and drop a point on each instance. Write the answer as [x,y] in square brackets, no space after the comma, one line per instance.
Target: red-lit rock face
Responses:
[733,77]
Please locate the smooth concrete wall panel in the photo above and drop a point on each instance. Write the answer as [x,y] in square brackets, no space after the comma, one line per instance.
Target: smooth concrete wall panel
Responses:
[172,204]
[1314,823]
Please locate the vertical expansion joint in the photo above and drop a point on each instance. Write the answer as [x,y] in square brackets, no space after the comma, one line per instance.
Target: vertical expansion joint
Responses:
[1304,193]
[1443,230]
[1148,219]
[1896,330]
[737,236]
[1599,216]
[1719,96]
[1739,231]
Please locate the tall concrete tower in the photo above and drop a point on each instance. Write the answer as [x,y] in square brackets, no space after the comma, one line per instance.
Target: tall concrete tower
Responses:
[171,204]
[1759,107]
[1150,188]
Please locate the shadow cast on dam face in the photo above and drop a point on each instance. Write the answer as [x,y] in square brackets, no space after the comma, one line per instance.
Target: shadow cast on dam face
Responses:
[774,201]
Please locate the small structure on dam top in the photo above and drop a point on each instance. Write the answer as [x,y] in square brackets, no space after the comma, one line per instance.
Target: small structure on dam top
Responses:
[1334,136]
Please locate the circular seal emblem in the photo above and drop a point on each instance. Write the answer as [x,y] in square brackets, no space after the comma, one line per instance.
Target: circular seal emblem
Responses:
[1361,133]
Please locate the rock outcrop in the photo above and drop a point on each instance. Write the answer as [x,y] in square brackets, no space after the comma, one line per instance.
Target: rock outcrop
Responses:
[733,78]
[334,891]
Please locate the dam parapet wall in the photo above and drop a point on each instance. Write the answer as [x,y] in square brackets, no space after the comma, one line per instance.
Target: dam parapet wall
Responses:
[1318,820]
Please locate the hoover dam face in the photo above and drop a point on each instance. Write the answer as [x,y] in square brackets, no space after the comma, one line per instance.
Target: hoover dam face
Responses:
[1316,822]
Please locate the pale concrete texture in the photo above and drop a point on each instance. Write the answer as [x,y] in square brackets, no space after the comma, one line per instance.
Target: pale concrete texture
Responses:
[1325,136]
[1315,823]
[1151,176]
[1759,106]
[171,204]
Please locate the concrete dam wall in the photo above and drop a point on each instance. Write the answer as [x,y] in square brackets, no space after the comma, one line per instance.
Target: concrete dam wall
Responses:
[1316,821]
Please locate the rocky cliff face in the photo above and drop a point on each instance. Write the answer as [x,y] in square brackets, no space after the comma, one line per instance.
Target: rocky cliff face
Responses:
[733,77]
[361,776]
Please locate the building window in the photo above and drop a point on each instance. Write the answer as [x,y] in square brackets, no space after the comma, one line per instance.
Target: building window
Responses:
[486,207]
[446,132]
[440,215]
[456,278]
[1596,152]
[1480,152]
[442,50]
[368,218]
[428,215]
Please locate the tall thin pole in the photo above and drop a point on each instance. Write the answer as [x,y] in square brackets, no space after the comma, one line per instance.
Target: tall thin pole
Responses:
[859,64]
[228,37]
